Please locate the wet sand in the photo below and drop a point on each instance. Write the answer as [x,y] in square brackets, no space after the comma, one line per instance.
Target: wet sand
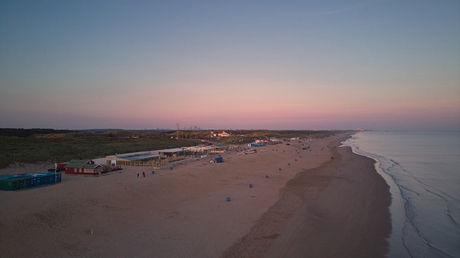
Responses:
[184,212]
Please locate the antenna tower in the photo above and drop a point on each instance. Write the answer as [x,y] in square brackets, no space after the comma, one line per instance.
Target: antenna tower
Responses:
[177,130]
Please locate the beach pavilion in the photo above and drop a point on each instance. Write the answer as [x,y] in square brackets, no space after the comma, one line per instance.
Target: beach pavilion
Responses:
[132,159]
[174,152]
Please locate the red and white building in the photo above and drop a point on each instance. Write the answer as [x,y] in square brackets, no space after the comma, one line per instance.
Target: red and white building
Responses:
[83,167]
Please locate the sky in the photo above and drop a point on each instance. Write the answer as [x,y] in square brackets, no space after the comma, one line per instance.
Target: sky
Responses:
[299,65]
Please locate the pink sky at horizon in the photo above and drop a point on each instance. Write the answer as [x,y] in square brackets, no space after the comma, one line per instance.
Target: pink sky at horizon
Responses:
[245,118]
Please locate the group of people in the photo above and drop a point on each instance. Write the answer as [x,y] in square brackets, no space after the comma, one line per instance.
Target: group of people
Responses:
[143,174]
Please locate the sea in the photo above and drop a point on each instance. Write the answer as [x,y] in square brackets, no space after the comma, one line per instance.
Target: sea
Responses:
[423,172]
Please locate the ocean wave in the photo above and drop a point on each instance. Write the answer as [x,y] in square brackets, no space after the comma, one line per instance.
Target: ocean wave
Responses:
[430,225]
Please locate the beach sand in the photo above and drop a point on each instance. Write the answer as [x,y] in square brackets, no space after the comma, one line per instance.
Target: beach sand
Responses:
[350,218]
[339,203]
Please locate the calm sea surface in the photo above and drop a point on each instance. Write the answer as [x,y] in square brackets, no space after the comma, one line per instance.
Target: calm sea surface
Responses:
[423,172]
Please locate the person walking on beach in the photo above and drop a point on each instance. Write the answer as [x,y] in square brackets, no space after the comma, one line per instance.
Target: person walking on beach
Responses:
[143,173]
[138,175]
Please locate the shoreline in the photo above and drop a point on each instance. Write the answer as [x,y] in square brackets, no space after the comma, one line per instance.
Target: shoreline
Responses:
[397,210]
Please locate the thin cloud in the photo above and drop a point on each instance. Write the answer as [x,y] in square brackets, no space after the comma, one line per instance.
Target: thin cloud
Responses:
[292,105]
[341,10]
[350,8]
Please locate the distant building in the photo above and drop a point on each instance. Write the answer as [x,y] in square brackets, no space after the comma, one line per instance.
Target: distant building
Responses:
[200,149]
[256,144]
[224,134]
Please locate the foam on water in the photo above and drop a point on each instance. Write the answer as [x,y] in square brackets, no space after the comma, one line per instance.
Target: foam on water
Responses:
[424,180]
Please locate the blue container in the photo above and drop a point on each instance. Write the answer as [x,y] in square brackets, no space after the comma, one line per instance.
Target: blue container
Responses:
[228,199]
[171,168]
[30,182]
[250,185]
[47,178]
[266,176]
[153,172]
[44,178]
[219,160]
[10,184]
[38,179]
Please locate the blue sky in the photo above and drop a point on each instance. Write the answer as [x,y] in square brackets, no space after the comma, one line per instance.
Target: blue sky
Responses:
[230,64]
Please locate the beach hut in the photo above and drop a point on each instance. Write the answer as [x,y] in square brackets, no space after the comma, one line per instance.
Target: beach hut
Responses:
[86,167]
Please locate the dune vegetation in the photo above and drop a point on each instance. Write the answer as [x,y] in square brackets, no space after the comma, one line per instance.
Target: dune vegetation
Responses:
[48,145]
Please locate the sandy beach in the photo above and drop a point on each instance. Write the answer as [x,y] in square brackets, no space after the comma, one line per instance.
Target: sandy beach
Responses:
[315,205]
